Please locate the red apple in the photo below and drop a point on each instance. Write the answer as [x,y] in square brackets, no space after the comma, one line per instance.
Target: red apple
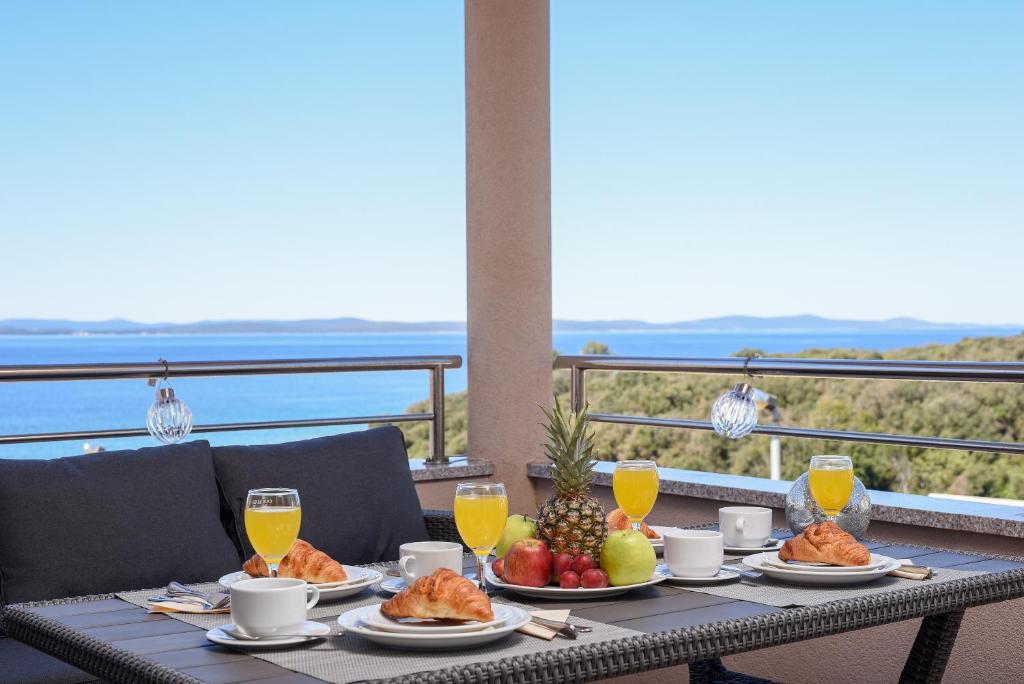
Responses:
[560,564]
[528,563]
[569,580]
[498,567]
[583,562]
[594,579]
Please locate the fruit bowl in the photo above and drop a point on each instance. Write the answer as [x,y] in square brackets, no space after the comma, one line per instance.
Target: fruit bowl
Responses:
[554,591]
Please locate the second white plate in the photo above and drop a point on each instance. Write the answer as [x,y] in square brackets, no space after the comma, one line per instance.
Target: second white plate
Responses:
[373,617]
[757,562]
[359,579]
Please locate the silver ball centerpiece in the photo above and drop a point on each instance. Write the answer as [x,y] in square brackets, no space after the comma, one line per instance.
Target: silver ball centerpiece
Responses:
[734,414]
[802,510]
[169,419]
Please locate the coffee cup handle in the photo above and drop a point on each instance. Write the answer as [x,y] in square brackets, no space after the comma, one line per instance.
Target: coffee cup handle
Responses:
[739,523]
[316,596]
[404,562]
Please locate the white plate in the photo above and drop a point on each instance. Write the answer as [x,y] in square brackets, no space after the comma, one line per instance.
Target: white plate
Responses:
[771,545]
[757,562]
[661,530]
[352,622]
[875,563]
[312,630]
[722,576]
[358,579]
[553,591]
[373,617]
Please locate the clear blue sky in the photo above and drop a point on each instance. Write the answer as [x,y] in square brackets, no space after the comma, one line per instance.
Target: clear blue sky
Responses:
[188,160]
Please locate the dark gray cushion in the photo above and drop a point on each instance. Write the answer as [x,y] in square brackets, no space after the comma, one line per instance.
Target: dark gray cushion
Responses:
[22,664]
[358,499]
[110,521]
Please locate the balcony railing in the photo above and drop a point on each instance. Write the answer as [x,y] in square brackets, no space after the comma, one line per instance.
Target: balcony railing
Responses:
[435,365]
[947,371]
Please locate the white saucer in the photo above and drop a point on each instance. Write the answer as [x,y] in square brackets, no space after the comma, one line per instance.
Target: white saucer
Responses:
[722,576]
[358,579]
[393,585]
[312,630]
[771,545]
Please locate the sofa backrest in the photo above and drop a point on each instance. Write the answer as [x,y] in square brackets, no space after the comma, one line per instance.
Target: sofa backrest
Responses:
[110,521]
[358,499]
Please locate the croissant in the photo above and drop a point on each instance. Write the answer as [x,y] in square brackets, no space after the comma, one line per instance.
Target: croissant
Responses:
[825,543]
[304,562]
[443,595]
[617,520]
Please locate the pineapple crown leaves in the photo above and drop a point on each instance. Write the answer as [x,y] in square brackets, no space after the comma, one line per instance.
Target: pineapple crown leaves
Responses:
[570,449]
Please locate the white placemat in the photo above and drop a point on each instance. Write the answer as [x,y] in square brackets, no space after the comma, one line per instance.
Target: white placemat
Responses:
[774,593]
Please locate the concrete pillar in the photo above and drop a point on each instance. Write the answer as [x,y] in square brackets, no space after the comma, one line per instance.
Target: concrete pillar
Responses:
[508,236]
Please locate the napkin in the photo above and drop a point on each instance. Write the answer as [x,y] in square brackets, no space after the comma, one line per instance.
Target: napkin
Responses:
[908,570]
[539,631]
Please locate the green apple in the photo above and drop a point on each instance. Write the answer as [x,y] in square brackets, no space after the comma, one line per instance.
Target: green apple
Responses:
[516,527]
[628,558]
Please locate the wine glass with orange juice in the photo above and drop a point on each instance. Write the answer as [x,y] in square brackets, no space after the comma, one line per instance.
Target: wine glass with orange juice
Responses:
[635,485]
[830,479]
[272,520]
[481,510]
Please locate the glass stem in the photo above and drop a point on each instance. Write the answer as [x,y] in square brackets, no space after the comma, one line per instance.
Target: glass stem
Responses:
[481,566]
[635,524]
[273,569]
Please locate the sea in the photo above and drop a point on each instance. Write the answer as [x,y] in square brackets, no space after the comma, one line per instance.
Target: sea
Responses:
[90,405]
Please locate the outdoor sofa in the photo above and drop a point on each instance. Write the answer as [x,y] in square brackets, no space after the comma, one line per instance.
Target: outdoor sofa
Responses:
[119,520]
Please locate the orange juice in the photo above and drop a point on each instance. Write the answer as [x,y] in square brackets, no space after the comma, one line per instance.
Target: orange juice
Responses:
[635,490]
[481,520]
[272,531]
[831,488]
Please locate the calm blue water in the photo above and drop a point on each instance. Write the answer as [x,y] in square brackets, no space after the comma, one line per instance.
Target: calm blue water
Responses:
[63,406]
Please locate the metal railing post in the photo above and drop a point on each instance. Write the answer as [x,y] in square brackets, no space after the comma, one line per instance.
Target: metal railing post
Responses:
[577,390]
[437,455]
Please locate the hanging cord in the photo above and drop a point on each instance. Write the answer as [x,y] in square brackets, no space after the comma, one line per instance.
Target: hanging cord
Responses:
[158,382]
[746,364]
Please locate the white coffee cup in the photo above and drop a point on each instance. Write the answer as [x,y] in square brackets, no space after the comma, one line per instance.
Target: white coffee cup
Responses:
[421,559]
[745,526]
[270,605]
[693,553]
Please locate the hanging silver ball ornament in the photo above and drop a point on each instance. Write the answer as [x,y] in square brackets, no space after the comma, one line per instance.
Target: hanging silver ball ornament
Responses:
[734,415]
[169,419]
[802,510]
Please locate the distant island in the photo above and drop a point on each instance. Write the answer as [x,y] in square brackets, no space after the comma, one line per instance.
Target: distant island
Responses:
[120,326]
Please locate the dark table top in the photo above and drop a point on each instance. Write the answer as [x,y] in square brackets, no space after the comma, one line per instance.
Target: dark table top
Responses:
[123,628]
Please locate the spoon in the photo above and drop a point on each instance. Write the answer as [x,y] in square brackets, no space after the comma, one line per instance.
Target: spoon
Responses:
[242,636]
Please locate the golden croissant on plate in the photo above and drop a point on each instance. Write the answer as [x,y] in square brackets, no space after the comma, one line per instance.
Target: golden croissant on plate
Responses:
[617,520]
[445,595]
[825,543]
[304,562]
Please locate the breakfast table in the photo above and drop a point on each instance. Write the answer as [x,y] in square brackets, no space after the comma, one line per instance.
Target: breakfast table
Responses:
[114,637]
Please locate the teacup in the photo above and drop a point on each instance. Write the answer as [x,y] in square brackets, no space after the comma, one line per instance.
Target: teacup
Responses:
[745,526]
[421,559]
[694,553]
[271,605]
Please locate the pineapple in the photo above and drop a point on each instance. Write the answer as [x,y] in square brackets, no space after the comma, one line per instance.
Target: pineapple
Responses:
[571,521]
